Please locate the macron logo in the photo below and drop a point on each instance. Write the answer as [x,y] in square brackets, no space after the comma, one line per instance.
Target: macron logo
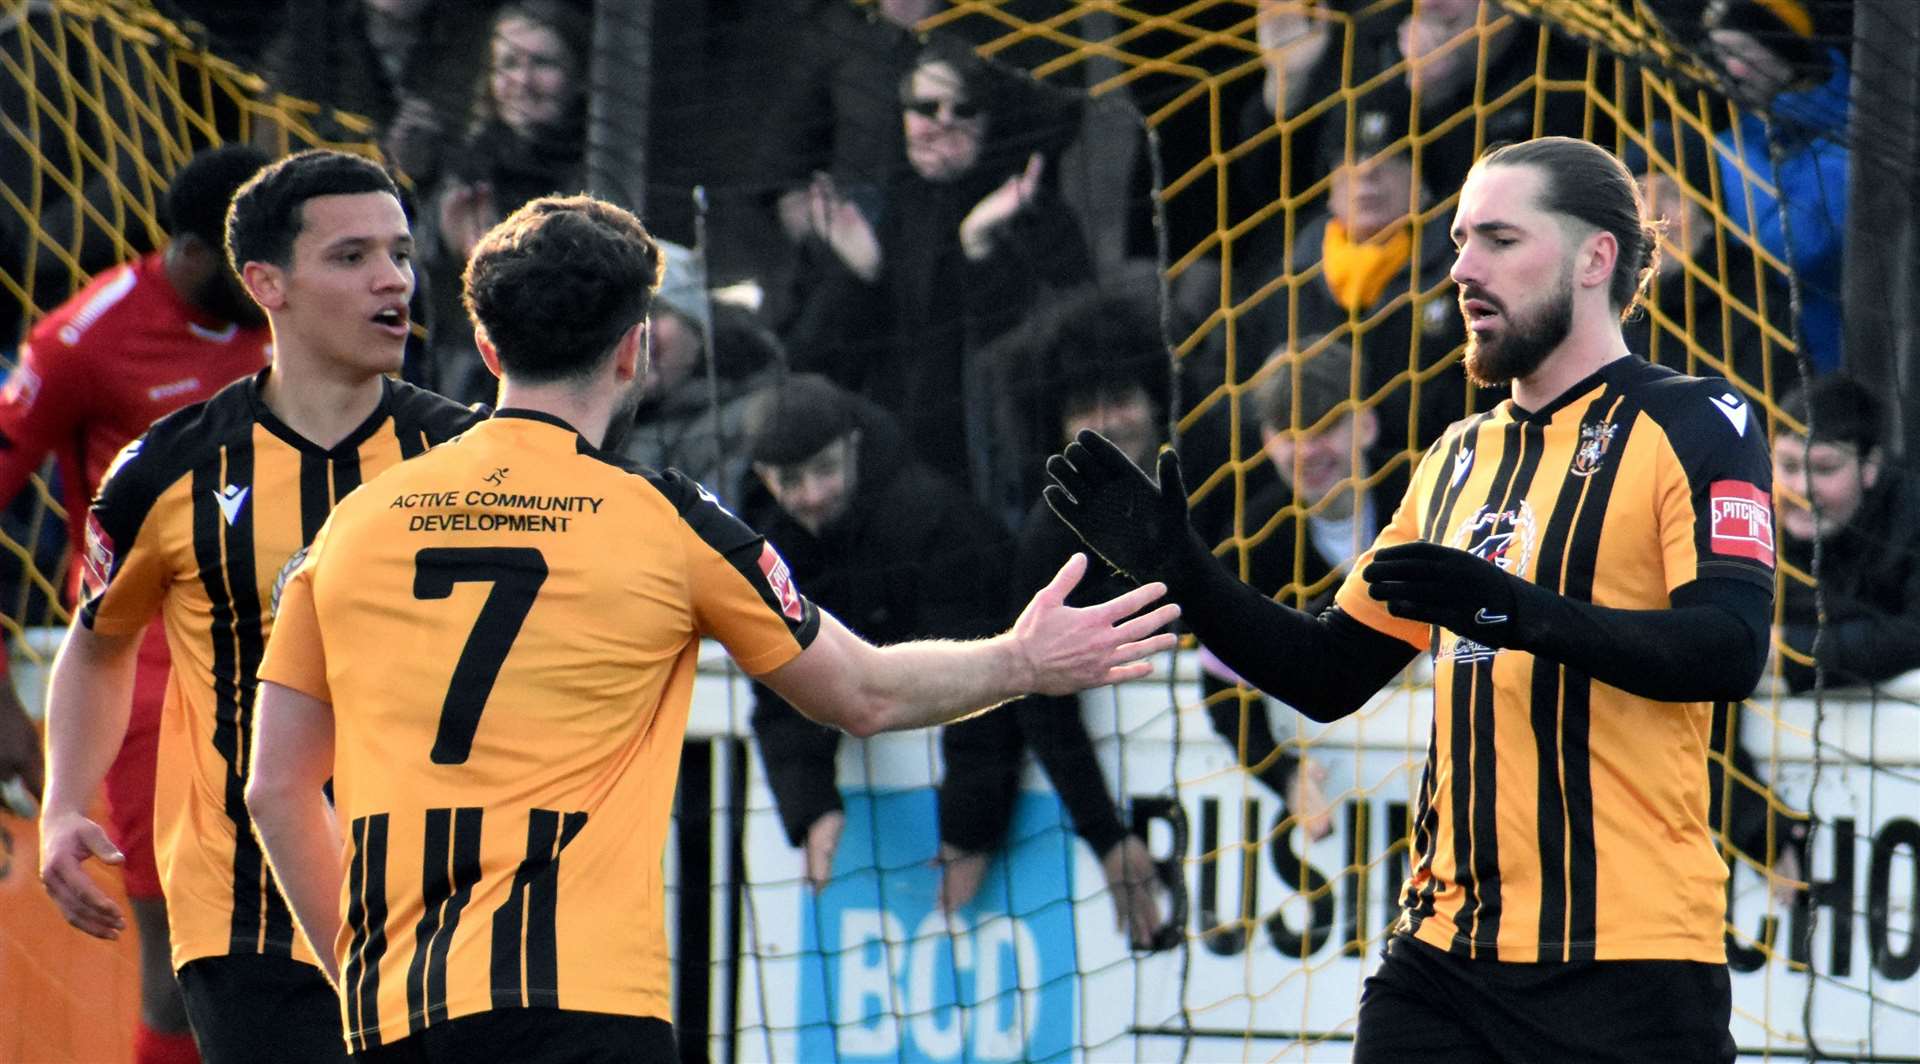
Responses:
[231,498]
[1736,411]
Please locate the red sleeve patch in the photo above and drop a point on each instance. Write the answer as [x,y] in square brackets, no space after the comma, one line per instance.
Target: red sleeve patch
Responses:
[774,568]
[1742,521]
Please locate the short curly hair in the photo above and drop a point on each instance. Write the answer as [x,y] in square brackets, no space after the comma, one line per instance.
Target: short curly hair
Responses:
[200,194]
[558,282]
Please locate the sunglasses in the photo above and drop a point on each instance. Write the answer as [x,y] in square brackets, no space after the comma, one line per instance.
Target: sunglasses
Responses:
[957,110]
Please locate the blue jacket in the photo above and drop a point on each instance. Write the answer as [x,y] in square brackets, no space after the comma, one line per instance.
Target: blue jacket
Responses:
[1813,181]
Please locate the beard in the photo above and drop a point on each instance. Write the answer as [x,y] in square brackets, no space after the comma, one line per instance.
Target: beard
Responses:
[222,297]
[1527,340]
[625,413]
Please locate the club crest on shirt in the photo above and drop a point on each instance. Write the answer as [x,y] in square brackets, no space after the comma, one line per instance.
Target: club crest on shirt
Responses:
[1742,521]
[1503,537]
[780,580]
[1594,441]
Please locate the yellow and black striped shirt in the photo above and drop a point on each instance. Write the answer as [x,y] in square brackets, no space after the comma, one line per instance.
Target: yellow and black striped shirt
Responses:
[507,630]
[1559,818]
[194,522]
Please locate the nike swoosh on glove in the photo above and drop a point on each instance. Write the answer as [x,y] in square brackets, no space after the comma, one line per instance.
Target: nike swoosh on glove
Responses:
[1458,591]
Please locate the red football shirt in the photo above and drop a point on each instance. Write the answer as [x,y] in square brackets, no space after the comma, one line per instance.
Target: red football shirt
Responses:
[122,353]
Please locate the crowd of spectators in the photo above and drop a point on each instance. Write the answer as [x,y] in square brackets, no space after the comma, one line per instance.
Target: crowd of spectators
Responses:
[901,312]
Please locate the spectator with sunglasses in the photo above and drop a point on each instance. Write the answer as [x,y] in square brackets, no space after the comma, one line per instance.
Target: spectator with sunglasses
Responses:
[899,299]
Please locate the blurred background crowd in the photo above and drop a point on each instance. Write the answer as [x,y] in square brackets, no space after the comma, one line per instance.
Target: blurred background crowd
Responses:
[903,274]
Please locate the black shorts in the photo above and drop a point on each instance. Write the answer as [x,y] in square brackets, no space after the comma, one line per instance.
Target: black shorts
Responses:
[245,1007]
[535,1035]
[1425,1004]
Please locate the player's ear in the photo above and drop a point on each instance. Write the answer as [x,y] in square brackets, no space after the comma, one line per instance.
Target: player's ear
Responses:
[630,353]
[1598,252]
[266,283]
[489,355]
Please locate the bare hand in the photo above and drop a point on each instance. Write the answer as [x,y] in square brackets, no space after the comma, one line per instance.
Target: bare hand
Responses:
[466,213]
[1291,40]
[66,842]
[1066,649]
[795,210]
[1786,881]
[823,839]
[997,209]
[1308,802]
[837,221]
[19,743]
[1132,880]
[412,134]
[961,873]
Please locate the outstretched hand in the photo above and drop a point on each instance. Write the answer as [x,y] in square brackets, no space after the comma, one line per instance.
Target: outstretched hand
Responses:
[66,844]
[1458,591]
[1067,649]
[1139,526]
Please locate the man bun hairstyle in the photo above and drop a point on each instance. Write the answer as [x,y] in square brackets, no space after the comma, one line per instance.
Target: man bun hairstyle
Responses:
[266,215]
[558,283]
[1590,185]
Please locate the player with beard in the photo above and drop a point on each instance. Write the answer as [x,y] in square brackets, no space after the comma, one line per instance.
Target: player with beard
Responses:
[142,340]
[1590,565]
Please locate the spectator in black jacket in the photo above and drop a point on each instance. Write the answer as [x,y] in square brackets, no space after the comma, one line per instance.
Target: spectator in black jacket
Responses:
[972,235]
[1118,387]
[1837,489]
[886,545]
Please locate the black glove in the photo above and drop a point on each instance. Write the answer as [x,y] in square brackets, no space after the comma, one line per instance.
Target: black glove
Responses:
[1138,526]
[1465,594]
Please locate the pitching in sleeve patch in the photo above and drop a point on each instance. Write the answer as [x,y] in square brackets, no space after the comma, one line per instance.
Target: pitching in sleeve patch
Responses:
[774,568]
[1742,521]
